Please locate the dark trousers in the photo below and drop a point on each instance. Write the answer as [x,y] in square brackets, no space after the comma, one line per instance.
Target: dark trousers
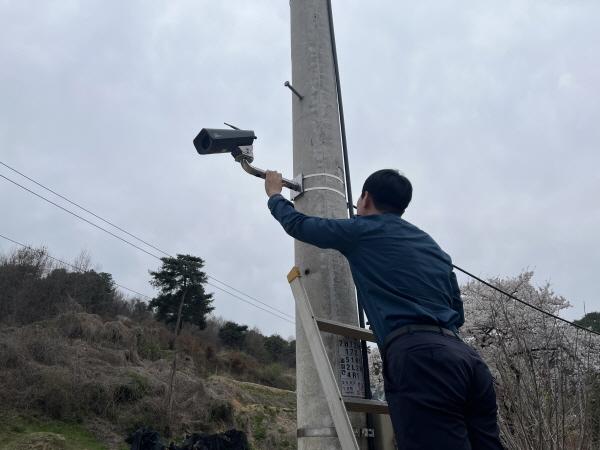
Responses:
[440,394]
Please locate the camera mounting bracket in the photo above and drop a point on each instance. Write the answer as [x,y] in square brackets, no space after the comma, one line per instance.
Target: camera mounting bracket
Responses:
[245,156]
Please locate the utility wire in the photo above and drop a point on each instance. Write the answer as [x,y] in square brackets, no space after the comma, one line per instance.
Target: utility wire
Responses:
[84,209]
[79,217]
[523,301]
[124,231]
[138,247]
[348,186]
[78,269]
[252,304]
[225,284]
[125,287]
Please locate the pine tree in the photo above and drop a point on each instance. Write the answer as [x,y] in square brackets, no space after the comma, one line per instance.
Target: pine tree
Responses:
[182,298]
[590,320]
[181,283]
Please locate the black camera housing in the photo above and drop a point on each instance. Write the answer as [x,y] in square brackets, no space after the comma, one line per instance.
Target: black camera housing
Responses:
[213,140]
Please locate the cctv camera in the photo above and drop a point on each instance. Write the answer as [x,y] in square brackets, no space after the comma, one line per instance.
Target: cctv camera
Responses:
[211,140]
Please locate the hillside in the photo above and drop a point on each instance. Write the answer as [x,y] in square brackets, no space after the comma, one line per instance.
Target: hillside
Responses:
[92,381]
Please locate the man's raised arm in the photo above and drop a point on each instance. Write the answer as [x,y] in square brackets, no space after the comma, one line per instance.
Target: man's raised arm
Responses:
[339,234]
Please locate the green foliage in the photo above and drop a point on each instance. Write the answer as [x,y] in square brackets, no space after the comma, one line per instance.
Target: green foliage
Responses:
[25,432]
[274,375]
[148,346]
[133,390]
[590,320]
[276,346]
[280,350]
[98,398]
[181,278]
[259,428]
[33,289]
[221,412]
[233,335]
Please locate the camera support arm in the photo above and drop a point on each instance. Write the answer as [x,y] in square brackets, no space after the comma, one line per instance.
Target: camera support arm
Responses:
[244,155]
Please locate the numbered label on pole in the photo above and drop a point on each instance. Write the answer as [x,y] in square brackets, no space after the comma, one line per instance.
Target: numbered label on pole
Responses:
[350,368]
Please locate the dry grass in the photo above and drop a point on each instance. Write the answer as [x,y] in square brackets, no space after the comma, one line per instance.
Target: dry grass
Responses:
[77,367]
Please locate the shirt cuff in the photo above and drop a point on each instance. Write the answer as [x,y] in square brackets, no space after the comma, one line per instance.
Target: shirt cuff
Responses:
[274,199]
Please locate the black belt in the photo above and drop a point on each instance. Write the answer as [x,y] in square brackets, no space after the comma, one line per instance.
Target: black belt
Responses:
[417,328]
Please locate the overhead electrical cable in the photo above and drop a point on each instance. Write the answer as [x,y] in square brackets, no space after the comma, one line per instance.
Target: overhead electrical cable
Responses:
[276,314]
[256,306]
[124,231]
[79,217]
[250,296]
[84,209]
[74,267]
[523,301]
[349,203]
[125,287]
[145,251]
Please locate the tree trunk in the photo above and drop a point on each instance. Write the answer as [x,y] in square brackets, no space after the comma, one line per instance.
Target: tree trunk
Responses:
[174,365]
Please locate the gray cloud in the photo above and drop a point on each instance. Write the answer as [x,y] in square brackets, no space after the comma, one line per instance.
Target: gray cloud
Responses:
[490,108]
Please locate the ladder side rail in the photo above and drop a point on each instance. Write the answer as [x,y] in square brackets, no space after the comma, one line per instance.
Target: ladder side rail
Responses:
[336,404]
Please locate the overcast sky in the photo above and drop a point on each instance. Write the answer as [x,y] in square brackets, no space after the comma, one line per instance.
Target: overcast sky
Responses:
[492,110]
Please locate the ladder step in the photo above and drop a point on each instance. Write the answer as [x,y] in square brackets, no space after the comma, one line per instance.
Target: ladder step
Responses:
[366,406]
[343,329]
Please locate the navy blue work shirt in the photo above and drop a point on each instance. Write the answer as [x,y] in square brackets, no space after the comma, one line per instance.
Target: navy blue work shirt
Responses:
[401,274]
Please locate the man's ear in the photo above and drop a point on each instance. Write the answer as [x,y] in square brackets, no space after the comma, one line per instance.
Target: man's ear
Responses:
[367,200]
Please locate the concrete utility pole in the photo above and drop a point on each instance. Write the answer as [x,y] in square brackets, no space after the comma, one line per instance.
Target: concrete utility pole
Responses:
[326,275]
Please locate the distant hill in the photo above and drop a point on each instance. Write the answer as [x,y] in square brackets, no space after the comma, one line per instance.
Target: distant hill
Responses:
[111,377]
[82,366]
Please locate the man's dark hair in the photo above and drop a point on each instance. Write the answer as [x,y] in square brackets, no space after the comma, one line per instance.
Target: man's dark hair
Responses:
[390,191]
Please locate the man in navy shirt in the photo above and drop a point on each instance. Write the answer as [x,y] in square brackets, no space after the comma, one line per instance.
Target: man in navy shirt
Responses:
[439,391]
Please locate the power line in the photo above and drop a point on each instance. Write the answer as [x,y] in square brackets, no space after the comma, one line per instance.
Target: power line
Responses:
[84,209]
[129,289]
[78,269]
[132,290]
[246,301]
[249,296]
[124,231]
[277,312]
[523,301]
[151,254]
[79,217]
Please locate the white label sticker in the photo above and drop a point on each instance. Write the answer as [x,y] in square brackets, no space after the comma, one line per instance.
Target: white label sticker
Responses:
[350,368]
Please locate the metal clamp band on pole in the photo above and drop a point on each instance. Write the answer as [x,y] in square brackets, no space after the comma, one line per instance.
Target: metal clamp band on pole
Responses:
[316,432]
[325,188]
[331,432]
[312,175]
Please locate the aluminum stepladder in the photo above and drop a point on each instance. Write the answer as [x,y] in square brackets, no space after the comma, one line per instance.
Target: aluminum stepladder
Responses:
[338,405]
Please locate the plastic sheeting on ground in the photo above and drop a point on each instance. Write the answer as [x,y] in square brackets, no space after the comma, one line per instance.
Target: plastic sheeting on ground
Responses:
[147,439]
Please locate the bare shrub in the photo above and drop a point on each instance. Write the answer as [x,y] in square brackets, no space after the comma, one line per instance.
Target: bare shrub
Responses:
[151,340]
[43,346]
[210,334]
[80,326]
[221,412]
[149,412]
[133,390]
[116,334]
[98,398]
[10,356]
[240,363]
[53,393]
[275,375]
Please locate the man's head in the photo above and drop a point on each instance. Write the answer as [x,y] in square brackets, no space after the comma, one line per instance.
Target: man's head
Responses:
[385,191]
